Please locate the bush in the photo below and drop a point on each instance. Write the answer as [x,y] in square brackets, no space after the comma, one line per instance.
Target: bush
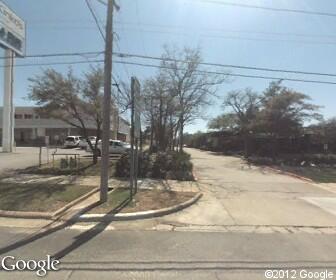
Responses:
[180,167]
[161,165]
[123,166]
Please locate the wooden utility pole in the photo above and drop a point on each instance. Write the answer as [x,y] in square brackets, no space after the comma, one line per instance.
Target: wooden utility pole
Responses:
[105,156]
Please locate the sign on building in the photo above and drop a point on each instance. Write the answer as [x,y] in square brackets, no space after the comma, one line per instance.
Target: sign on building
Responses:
[12,31]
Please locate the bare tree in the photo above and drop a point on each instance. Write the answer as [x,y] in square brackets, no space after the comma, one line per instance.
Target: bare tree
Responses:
[160,111]
[244,105]
[192,87]
[74,101]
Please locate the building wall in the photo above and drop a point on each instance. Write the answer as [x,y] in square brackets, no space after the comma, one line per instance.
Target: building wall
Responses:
[31,129]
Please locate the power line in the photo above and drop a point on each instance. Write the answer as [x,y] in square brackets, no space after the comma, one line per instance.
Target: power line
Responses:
[102,2]
[159,31]
[230,37]
[269,8]
[164,26]
[229,74]
[56,63]
[101,33]
[95,19]
[139,28]
[97,53]
[191,29]
[123,55]
[166,67]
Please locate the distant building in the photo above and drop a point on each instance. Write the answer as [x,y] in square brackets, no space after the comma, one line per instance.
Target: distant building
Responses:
[31,128]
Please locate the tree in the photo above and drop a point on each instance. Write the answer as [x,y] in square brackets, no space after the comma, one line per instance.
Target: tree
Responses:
[284,112]
[244,105]
[160,108]
[75,101]
[191,87]
[228,122]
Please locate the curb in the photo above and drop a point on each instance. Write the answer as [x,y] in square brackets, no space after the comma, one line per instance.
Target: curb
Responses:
[289,174]
[139,215]
[46,215]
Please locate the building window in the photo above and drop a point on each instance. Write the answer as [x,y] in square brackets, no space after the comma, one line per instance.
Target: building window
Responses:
[18,117]
[28,116]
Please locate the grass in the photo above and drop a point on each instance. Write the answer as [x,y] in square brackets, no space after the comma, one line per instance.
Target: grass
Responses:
[41,197]
[317,174]
[85,168]
[118,201]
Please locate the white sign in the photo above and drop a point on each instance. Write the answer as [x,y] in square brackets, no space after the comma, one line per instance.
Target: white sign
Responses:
[12,30]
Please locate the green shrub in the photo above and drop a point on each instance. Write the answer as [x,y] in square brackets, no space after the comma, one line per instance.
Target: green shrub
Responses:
[180,167]
[161,165]
[123,166]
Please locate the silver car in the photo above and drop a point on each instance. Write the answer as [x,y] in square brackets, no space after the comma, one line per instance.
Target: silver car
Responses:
[116,147]
[72,141]
[83,144]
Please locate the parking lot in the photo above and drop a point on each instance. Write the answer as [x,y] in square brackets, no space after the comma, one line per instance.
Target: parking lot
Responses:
[24,157]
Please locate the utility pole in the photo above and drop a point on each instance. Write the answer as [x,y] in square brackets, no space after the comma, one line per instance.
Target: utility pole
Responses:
[105,156]
[8,107]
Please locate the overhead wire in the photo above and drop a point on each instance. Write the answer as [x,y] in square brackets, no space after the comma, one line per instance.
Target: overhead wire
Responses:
[268,8]
[166,67]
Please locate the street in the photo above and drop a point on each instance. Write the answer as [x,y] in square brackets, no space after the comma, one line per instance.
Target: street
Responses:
[248,220]
[108,254]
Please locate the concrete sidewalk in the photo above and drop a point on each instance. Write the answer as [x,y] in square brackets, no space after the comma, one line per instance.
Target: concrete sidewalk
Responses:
[238,194]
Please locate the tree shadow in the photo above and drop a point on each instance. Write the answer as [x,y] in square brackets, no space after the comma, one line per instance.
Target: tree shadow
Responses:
[91,233]
[53,227]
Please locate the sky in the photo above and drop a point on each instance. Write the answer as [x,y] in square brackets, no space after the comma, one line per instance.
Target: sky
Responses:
[226,34]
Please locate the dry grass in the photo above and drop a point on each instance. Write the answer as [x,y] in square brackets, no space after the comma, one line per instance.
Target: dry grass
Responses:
[40,197]
[118,201]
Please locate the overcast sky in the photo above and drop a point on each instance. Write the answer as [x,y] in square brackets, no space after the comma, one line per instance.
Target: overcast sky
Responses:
[225,34]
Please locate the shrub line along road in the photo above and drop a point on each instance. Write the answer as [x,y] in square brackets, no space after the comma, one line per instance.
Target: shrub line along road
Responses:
[235,196]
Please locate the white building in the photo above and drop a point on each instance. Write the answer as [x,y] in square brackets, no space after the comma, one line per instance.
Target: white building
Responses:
[31,128]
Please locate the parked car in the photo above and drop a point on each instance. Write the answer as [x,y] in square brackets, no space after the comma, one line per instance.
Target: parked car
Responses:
[127,145]
[83,144]
[72,141]
[116,147]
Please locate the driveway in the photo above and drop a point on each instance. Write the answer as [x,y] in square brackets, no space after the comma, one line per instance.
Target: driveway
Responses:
[236,194]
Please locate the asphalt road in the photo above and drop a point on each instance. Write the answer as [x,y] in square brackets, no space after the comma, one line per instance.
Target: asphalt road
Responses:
[98,254]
